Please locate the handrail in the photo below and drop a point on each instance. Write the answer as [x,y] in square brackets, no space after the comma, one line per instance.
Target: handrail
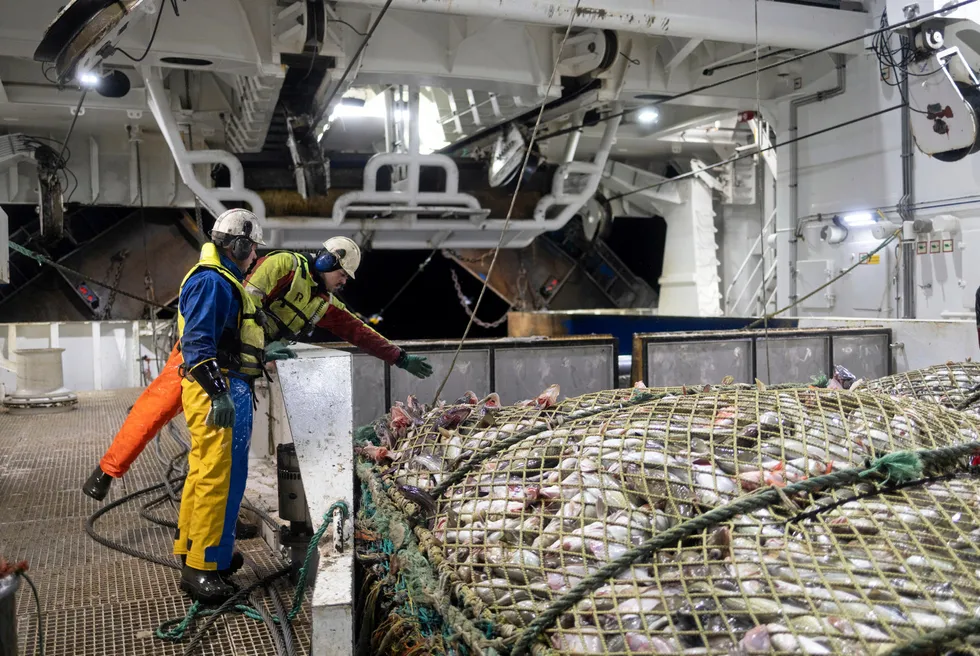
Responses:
[738,274]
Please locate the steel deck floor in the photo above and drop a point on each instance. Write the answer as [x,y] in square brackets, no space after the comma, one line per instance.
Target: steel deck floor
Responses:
[95,600]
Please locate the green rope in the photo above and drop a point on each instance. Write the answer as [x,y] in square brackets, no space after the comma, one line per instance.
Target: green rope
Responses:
[897,468]
[310,550]
[932,641]
[174,630]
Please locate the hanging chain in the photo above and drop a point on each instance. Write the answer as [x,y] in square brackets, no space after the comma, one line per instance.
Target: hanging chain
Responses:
[469,260]
[465,302]
[114,273]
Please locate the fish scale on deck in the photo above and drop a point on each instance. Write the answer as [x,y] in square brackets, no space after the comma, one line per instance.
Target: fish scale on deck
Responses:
[869,572]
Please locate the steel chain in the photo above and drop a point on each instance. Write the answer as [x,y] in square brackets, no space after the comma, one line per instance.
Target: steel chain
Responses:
[115,263]
[463,301]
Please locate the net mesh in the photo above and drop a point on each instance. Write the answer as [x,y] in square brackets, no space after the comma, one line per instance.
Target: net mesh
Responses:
[512,523]
[952,385]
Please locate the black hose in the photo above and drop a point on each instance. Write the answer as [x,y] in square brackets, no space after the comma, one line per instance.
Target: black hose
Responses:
[106,542]
[39,637]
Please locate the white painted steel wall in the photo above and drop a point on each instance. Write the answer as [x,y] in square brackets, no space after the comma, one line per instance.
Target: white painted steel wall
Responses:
[99,355]
[915,343]
[859,167]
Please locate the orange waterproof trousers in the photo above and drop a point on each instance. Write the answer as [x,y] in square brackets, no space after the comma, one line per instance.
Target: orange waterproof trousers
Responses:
[158,404]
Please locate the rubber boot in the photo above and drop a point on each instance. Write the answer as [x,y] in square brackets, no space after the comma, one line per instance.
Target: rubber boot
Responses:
[237,562]
[205,586]
[97,485]
[246,531]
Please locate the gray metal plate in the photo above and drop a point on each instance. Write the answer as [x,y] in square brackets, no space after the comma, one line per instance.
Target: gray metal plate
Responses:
[369,388]
[472,372]
[792,359]
[694,363]
[865,356]
[524,373]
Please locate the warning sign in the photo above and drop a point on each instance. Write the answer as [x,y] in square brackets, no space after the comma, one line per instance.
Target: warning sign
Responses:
[874,259]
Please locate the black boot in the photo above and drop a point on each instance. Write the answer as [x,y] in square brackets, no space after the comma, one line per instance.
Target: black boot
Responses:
[97,485]
[245,531]
[237,562]
[205,586]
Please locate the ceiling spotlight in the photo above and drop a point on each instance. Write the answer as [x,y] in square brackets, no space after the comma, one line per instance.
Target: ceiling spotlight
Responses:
[648,116]
[88,79]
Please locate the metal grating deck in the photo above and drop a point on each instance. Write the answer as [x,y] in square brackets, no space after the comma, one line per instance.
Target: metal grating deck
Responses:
[95,600]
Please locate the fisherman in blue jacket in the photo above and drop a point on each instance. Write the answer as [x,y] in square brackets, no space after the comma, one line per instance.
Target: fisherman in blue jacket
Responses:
[222,343]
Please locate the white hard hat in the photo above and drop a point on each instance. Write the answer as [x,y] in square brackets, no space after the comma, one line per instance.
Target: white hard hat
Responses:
[348,252]
[239,223]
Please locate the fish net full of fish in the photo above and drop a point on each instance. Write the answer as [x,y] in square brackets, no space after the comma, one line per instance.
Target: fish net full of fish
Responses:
[519,504]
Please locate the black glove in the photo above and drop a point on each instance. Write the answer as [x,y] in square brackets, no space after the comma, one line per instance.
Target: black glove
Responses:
[415,365]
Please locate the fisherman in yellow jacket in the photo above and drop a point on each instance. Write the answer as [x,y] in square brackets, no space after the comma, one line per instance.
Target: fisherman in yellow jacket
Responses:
[222,344]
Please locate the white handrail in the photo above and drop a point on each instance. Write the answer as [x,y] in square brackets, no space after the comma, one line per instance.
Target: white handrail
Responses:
[738,274]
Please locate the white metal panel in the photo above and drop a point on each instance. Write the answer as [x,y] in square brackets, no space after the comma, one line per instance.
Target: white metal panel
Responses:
[780,24]
[318,397]
[915,344]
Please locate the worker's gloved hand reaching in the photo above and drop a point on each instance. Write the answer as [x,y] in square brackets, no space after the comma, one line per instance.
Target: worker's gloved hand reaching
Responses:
[222,413]
[415,365]
[278,351]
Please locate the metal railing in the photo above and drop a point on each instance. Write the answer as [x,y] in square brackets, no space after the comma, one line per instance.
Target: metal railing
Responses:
[760,249]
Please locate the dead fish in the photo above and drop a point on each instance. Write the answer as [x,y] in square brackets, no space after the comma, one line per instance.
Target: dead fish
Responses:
[376,453]
[545,399]
[453,417]
[469,398]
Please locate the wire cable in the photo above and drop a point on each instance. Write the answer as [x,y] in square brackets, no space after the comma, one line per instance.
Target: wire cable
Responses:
[41,259]
[762,215]
[768,67]
[737,158]
[71,128]
[861,260]
[513,202]
[377,317]
[153,37]
[352,62]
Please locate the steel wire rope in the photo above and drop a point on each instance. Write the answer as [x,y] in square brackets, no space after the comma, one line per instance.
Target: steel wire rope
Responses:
[737,158]
[41,259]
[768,67]
[763,292]
[861,260]
[513,201]
[378,316]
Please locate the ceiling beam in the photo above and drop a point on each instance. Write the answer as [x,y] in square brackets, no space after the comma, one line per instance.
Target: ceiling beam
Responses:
[780,24]
[683,53]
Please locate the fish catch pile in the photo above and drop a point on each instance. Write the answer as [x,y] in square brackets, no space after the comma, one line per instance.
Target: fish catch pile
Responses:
[952,385]
[510,528]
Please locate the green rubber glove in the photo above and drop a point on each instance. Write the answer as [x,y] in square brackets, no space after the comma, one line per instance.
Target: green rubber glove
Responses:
[416,365]
[222,413]
[278,351]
